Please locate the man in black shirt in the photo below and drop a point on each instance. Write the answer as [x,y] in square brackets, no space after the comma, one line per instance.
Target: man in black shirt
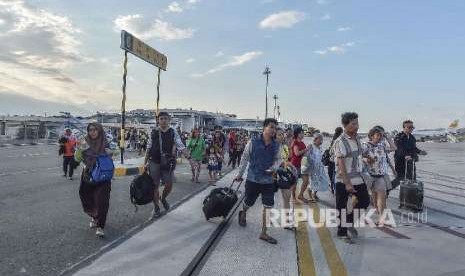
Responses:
[160,159]
[407,151]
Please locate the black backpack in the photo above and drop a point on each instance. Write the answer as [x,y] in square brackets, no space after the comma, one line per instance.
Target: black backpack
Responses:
[326,158]
[141,190]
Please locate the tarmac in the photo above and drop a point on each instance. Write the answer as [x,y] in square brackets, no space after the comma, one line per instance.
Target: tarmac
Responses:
[184,243]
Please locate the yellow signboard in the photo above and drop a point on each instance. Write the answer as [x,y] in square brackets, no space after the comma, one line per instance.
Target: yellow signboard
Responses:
[140,49]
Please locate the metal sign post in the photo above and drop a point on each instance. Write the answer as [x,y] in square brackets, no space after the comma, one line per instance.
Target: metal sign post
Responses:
[137,47]
[122,143]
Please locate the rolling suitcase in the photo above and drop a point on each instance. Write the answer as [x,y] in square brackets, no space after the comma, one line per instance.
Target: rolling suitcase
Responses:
[220,201]
[411,192]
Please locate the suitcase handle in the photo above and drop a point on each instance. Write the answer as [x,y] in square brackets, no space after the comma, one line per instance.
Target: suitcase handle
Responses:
[238,186]
[413,170]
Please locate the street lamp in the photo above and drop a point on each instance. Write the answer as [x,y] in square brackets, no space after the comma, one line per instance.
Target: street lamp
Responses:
[275,98]
[267,73]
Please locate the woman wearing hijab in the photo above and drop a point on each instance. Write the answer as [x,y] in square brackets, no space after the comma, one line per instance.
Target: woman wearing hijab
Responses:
[95,198]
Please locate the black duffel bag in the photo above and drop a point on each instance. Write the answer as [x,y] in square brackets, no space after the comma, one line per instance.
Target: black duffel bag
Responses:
[141,190]
[220,201]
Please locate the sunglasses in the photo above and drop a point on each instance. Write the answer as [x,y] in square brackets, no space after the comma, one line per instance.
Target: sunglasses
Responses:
[410,127]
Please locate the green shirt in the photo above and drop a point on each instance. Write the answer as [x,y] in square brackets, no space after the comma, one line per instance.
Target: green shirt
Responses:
[197,148]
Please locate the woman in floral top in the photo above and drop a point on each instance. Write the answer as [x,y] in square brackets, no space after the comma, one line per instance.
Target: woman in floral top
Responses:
[376,158]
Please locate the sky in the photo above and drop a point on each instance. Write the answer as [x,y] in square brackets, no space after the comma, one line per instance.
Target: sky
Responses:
[386,60]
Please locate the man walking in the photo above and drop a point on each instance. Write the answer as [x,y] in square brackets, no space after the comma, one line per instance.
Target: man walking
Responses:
[349,182]
[160,160]
[69,146]
[407,152]
[262,156]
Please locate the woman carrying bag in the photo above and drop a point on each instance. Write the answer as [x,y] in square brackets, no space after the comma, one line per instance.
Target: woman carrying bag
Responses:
[95,187]
[196,147]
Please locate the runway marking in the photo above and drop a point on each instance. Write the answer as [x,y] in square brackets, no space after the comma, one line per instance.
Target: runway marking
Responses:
[335,263]
[439,227]
[304,251]
[444,192]
[444,185]
[446,201]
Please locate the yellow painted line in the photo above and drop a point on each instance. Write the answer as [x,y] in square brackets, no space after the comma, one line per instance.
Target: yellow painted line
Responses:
[335,263]
[304,251]
[119,171]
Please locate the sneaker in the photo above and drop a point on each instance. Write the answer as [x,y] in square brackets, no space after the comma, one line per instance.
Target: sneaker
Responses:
[165,204]
[70,178]
[242,218]
[65,175]
[156,213]
[99,232]
[92,223]
[352,232]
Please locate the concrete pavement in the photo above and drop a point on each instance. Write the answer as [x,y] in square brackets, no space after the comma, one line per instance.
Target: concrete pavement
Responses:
[43,228]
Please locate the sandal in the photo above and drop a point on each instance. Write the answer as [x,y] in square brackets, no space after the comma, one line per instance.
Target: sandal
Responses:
[268,239]
[304,200]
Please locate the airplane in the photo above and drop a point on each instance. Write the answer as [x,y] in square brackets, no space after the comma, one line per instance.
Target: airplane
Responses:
[451,134]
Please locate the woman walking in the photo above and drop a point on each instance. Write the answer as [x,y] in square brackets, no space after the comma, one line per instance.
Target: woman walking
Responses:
[332,165]
[218,144]
[95,197]
[298,150]
[286,193]
[375,153]
[196,147]
[314,170]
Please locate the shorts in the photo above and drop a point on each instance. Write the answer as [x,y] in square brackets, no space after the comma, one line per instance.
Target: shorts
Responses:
[253,190]
[378,184]
[157,174]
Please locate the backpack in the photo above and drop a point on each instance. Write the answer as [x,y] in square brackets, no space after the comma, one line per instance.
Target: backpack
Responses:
[103,170]
[141,190]
[326,158]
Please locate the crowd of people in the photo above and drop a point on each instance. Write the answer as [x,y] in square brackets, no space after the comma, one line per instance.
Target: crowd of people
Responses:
[354,169]
[349,168]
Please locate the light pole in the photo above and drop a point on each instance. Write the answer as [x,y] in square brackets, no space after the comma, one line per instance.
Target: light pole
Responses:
[279,113]
[267,73]
[275,98]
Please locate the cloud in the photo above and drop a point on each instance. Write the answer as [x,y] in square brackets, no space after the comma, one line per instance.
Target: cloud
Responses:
[234,62]
[326,17]
[219,54]
[284,19]
[37,35]
[145,29]
[336,49]
[190,60]
[174,7]
[344,29]
[39,50]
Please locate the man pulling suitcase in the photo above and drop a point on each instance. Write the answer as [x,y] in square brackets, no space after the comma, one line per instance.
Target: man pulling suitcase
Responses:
[263,157]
